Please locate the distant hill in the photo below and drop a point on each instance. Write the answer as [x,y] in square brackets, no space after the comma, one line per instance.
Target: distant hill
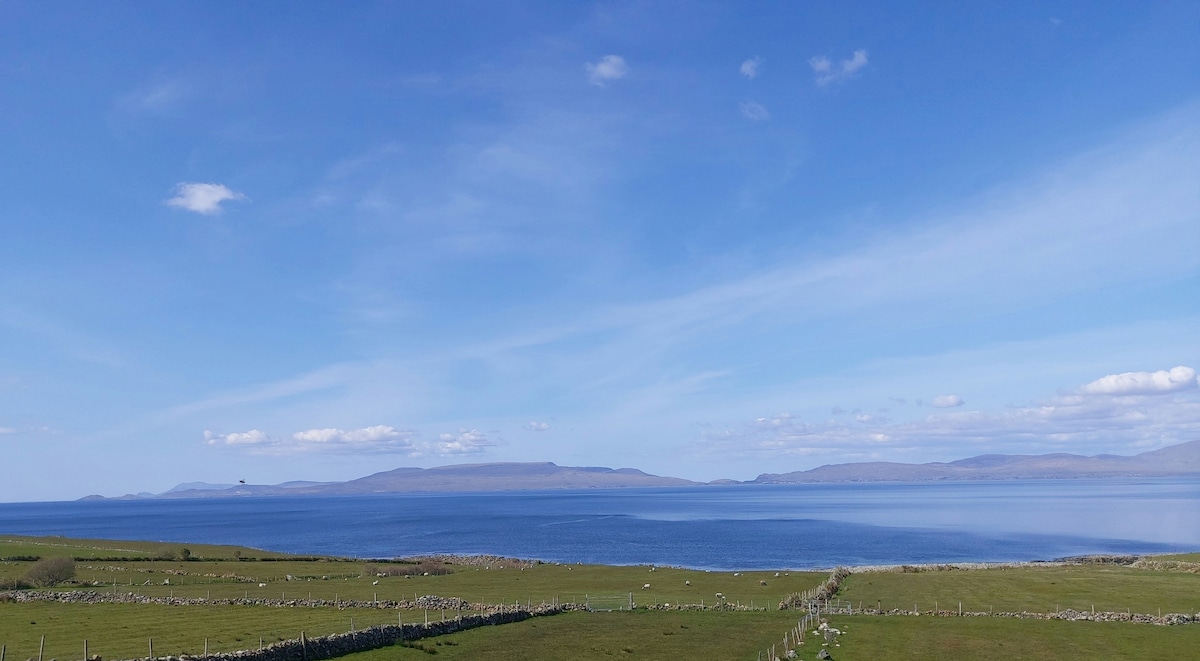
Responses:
[1182,459]
[1177,460]
[463,477]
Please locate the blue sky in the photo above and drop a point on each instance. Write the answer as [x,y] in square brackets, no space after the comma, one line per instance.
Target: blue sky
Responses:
[313,241]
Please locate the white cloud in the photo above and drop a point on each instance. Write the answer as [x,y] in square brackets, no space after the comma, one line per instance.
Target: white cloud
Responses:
[1100,421]
[753,111]
[1143,383]
[253,437]
[609,67]
[464,442]
[380,439]
[827,72]
[947,401]
[749,68]
[202,198]
[537,426]
[7,430]
[376,438]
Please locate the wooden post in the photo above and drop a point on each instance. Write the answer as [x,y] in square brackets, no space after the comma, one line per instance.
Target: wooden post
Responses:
[206,648]
[85,656]
[151,649]
[42,647]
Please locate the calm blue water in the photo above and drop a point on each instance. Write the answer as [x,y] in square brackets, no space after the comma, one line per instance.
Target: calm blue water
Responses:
[735,527]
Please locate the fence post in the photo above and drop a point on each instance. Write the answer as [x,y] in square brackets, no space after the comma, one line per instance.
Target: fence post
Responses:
[85,656]
[151,649]
[42,647]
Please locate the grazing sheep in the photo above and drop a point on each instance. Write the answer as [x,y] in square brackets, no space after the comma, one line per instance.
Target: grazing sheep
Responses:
[687,582]
[720,596]
[646,586]
[375,582]
[762,582]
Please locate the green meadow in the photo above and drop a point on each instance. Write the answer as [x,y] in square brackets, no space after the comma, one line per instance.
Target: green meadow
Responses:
[126,630]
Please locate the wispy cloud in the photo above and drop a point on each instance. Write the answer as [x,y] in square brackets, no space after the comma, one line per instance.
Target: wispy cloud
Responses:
[464,442]
[202,198]
[1114,419]
[252,438]
[156,97]
[533,425]
[946,401]
[750,67]
[606,69]
[827,72]
[753,111]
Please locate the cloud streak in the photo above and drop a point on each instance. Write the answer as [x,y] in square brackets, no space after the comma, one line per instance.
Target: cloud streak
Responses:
[1115,418]
[202,198]
[827,72]
[750,68]
[606,70]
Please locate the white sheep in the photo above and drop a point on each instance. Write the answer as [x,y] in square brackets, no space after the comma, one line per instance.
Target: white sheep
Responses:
[646,586]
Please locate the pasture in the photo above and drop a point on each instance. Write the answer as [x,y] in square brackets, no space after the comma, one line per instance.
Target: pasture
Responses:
[230,598]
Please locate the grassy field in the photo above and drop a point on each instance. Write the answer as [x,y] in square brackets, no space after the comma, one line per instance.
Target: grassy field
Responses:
[51,547]
[1035,589]
[123,630]
[330,578]
[986,639]
[636,635]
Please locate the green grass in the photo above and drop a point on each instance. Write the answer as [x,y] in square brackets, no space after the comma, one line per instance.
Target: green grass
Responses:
[345,580]
[23,545]
[122,631]
[636,635]
[1035,589]
[985,639]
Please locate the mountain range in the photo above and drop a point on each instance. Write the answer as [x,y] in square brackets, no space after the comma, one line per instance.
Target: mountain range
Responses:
[1175,460]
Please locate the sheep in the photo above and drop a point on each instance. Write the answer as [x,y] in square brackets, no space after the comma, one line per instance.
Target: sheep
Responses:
[720,596]
[687,582]
[646,586]
[762,582]
[375,582]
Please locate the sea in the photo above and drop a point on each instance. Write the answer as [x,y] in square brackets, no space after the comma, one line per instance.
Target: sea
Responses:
[730,527]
